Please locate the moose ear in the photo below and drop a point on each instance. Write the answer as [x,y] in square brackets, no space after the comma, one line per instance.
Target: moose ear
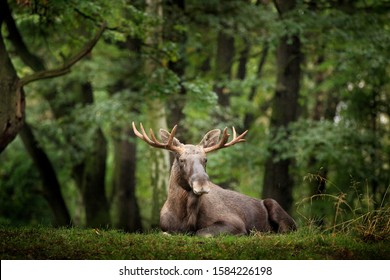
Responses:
[211,138]
[165,136]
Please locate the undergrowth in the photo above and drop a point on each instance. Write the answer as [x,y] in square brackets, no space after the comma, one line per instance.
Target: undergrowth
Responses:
[364,219]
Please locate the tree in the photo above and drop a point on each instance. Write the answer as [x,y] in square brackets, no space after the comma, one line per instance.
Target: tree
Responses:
[157,116]
[90,171]
[124,183]
[223,67]
[124,200]
[278,181]
[12,105]
[174,20]
[13,118]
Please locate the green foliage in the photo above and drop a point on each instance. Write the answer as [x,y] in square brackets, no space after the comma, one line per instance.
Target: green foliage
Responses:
[326,141]
[345,150]
[200,101]
[21,200]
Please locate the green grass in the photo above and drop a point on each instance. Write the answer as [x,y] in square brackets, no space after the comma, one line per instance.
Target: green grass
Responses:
[77,244]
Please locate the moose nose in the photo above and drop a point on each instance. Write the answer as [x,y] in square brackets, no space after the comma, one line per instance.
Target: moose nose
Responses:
[200,185]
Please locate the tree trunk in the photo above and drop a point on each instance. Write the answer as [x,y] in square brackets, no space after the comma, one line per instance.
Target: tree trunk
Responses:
[249,117]
[160,161]
[174,11]
[157,118]
[90,173]
[123,199]
[51,186]
[278,181]
[93,183]
[124,182]
[223,67]
[12,97]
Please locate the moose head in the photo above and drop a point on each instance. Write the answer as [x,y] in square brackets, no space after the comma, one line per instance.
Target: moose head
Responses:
[191,159]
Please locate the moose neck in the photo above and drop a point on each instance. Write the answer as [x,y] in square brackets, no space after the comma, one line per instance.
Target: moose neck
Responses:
[184,200]
[177,184]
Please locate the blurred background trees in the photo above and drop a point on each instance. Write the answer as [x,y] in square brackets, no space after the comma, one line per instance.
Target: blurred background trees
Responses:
[309,79]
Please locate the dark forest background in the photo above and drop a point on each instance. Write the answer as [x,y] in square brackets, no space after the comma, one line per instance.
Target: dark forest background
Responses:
[308,79]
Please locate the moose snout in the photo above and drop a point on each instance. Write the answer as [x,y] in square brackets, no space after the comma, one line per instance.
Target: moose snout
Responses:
[200,185]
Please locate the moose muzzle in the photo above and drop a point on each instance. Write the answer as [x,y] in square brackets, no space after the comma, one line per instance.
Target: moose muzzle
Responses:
[200,185]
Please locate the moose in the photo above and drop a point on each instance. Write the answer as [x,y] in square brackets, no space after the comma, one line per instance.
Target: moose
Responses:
[197,206]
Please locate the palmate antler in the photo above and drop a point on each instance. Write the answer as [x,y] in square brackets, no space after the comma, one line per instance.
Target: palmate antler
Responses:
[225,137]
[154,142]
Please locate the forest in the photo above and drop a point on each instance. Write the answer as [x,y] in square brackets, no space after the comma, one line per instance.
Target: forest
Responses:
[308,79]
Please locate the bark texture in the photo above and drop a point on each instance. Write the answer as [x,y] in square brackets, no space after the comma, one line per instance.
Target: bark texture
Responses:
[278,180]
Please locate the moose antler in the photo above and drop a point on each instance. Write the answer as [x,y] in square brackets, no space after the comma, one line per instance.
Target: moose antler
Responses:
[225,137]
[154,142]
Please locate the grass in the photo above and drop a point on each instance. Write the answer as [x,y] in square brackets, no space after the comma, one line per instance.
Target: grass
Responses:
[78,244]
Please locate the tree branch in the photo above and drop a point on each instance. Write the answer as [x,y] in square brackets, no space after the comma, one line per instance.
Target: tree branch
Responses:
[31,60]
[276,4]
[46,74]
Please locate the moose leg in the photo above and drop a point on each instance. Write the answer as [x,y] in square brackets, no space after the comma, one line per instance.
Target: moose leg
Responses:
[279,219]
[170,223]
[219,228]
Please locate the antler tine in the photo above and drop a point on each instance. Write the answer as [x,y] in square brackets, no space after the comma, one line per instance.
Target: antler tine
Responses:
[154,142]
[142,135]
[136,132]
[237,139]
[170,139]
[172,135]
[145,137]
[153,136]
[225,137]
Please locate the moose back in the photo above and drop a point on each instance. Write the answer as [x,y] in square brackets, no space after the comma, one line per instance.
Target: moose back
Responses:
[196,205]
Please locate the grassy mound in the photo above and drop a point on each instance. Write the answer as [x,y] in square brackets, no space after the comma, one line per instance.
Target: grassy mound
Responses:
[77,244]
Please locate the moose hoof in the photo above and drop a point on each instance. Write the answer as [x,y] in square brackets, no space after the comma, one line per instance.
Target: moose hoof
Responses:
[205,234]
